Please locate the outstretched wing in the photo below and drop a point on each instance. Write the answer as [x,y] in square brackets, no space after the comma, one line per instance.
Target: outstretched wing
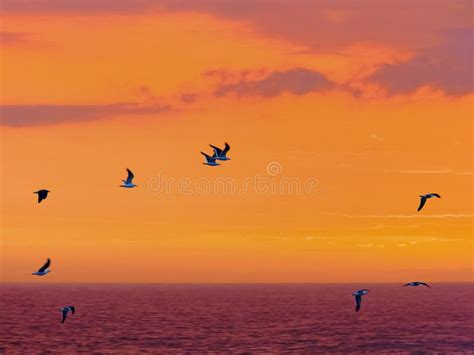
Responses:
[129,177]
[422,202]
[436,195]
[41,195]
[45,266]
[424,284]
[73,310]
[226,149]
[209,158]
[217,151]
[358,300]
[64,315]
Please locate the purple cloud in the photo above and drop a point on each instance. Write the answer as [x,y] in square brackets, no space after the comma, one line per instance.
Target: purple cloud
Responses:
[189,97]
[77,6]
[321,24]
[33,115]
[316,24]
[324,25]
[447,66]
[298,81]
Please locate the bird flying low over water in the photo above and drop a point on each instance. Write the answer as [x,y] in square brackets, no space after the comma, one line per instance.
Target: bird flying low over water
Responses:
[211,161]
[42,194]
[417,283]
[128,183]
[423,199]
[358,297]
[221,154]
[43,270]
[66,310]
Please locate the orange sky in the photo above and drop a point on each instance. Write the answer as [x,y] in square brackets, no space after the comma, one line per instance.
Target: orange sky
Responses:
[373,120]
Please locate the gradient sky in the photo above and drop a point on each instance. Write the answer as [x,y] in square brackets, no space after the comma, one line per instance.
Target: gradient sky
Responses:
[371,101]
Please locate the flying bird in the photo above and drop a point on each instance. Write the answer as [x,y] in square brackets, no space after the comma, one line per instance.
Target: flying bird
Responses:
[358,297]
[423,199]
[221,154]
[128,183]
[211,161]
[43,270]
[417,283]
[42,194]
[66,310]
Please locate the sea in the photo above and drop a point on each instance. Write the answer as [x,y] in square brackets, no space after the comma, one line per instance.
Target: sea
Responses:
[236,319]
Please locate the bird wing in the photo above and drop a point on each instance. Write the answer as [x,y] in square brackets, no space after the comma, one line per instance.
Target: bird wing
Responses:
[424,284]
[45,266]
[217,150]
[64,315]
[73,310]
[129,177]
[422,202]
[408,284]
[358,300]
[226,149]
[436,195]
[41,195]
[209,158]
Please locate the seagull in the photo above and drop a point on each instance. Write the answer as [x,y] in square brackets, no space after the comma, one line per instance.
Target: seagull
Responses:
[128,183]
[43,270]
[42,194]
[220,154]
[66,310]
[417,283]
[423,199]
[211,161]
[358,297]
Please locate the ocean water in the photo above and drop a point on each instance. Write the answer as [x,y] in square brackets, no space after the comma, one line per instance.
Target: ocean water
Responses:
[168,319]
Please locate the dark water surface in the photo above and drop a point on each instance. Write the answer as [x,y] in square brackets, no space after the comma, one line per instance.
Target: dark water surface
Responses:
[127,319]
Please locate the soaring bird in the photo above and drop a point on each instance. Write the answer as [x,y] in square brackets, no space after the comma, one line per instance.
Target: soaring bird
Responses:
[417,283]
[42,194]
[43,270]
[128,183]
[211,161]
[423,199]
[358,297]
[221,154]
[66,310]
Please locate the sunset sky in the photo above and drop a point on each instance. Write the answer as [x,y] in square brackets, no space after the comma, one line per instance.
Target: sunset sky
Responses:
[361,106]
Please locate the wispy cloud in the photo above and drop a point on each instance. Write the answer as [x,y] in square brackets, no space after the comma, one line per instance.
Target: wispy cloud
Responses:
[189,97]
[13,38]
[297,81]
[441,171]
[311,237]
[33,115]
[126,7]
[445,171]
[447,215]
[447,67]
[367,245]
[370,245]
[376,137]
